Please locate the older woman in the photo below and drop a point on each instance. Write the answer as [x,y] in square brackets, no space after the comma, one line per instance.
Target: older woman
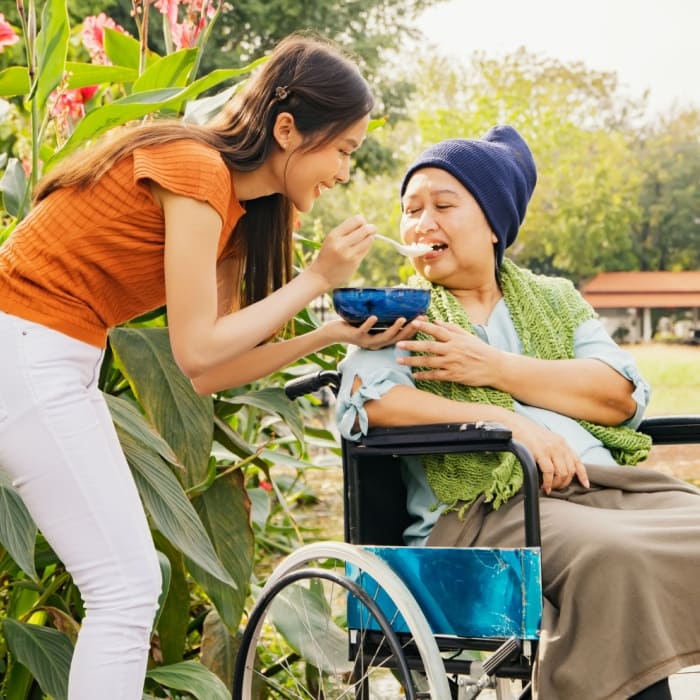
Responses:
[620,546]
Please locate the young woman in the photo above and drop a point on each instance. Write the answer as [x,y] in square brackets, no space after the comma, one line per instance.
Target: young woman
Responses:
[620,545]
[199,218]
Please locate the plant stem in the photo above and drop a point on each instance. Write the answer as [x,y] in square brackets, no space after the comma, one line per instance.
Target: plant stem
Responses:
[28,22]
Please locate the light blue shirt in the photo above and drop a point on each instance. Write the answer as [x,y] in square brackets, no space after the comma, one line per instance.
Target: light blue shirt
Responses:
[380,372]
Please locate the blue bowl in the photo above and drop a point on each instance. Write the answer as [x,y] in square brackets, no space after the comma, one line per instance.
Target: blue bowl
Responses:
[356,304]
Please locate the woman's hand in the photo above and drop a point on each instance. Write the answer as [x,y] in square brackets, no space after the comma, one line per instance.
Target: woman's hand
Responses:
[345,333]
[556,460]
[454,355]
[343,250]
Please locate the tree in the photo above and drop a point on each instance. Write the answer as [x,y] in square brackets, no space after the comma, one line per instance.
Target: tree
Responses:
[667,234]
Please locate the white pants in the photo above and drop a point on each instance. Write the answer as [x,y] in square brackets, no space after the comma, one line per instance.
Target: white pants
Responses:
[59,446]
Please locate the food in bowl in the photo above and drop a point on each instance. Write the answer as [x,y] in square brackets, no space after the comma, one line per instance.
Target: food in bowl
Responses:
[356,304]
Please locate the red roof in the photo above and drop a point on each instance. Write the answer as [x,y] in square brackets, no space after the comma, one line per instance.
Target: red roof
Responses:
[610,290]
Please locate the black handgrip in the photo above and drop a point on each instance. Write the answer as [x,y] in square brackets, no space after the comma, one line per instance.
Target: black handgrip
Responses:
[672,430]
[309,383]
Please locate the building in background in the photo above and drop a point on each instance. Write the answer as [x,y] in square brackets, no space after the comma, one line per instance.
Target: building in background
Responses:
[637,306]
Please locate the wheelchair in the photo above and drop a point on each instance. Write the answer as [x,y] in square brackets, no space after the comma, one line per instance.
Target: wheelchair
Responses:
[373,619]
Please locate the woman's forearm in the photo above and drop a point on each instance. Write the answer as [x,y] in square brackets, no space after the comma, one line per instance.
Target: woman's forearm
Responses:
[585,389]
[202,349]
[269,357]
[260,361]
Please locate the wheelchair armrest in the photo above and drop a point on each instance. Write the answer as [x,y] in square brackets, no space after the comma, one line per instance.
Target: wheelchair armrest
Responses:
[443,438]
[437,433]
[672,430]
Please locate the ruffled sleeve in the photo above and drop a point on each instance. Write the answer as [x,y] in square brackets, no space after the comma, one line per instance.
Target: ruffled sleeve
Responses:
[379,373]
[593,341]
[188,168]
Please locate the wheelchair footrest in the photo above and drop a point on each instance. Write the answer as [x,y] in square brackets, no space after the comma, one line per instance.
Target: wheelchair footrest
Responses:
[501,655]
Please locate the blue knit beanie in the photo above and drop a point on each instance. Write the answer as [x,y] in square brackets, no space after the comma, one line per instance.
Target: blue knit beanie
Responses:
[498,170]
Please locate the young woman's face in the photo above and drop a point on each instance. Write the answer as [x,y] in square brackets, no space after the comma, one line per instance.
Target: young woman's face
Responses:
[437,209]
[308,173]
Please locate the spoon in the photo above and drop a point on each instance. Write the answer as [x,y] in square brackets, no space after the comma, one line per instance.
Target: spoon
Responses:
[412,251]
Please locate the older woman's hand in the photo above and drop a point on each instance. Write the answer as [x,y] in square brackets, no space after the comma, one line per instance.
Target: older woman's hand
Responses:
[556,460]
[454,355]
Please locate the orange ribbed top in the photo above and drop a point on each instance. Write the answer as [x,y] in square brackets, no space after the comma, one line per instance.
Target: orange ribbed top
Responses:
[87,260]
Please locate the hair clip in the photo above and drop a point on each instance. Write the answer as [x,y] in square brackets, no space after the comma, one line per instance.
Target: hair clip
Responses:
[282,93]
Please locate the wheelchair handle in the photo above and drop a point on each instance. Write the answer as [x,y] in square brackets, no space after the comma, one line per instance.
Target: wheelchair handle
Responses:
[309,383]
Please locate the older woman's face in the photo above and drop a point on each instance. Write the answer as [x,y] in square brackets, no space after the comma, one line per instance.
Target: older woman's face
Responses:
[437,209]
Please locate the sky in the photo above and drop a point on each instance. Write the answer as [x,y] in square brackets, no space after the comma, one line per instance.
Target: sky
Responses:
[650,44]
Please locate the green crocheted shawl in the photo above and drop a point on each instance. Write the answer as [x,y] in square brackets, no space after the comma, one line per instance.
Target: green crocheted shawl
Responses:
[546,312]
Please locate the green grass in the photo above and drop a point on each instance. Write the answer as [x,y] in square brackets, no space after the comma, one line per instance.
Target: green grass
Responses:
[674,374]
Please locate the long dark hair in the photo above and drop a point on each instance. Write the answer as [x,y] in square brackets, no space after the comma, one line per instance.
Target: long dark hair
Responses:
[308,77]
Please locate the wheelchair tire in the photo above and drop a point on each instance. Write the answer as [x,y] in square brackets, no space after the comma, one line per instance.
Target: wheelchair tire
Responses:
[290,659]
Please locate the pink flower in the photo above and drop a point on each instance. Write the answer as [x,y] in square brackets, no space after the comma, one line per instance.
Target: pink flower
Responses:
[185,34]
[66,103]
[94,36]
[168,8]
[196,14]
[7,34]
[87,92]
[67,107]
[202,7]
[265,485]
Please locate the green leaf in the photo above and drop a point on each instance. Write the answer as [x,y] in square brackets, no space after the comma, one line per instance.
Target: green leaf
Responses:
[273,400]
[193,678]
[169,507]
[17,528]
[296,612]
[45,652]
[52,47]
[86,74]
[261,506]
[232,441]
[13,187]
[165,573]
[17,681]
[225,512]
[375,124]
[202,110]
[219,647]
[184,418]
[134,107]
[127,417]
[14,81]
[279,458]
[174,616]
[121,49]
[169,71]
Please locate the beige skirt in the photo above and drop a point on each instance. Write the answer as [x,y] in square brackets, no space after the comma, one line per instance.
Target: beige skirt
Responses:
[621,579]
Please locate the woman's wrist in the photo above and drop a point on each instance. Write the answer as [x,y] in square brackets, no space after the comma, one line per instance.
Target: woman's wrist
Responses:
[332,332]
[316,279]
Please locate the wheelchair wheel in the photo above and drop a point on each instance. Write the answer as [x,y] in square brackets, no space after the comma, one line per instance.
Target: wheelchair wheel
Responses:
[297,643]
